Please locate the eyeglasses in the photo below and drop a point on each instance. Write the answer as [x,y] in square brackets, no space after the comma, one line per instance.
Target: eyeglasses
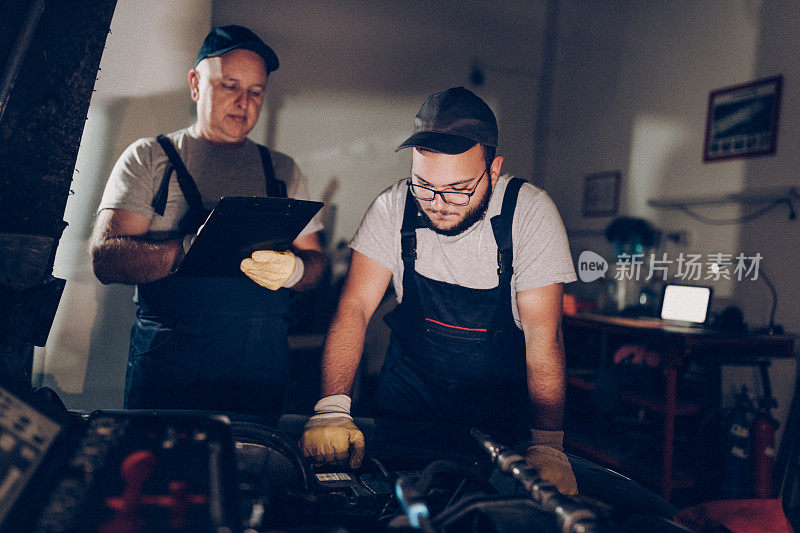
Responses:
[449,197]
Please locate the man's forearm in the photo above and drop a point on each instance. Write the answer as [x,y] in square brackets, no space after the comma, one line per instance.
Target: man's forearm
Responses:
[546,380]
[343,348]
[313,268]
[134,259]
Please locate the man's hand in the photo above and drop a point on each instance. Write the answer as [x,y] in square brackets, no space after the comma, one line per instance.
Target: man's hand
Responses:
[553,466]
[331,436]
[273,270]
[336,441]
[546,455]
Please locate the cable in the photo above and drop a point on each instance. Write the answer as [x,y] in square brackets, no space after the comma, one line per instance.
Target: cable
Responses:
[444,468]
[772,327]
[739,220]
[379,466]
[456,494]
[774,297]
[471,505]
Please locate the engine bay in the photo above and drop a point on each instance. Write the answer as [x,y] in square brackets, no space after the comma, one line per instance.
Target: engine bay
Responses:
[180,471]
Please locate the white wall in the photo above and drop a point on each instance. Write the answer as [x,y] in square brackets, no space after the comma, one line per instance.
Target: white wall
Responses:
[354,73]
[141,91]
[631,94]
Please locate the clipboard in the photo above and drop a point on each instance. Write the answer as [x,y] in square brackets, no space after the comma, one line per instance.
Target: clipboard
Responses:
[240,225]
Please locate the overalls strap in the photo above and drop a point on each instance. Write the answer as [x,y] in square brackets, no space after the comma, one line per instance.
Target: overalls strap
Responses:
[502,228]
[185,180]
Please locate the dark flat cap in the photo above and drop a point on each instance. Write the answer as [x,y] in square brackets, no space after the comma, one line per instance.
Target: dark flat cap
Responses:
[452,122]
[223,39]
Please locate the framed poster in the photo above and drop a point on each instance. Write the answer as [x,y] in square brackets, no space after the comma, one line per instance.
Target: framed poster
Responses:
[601,194]
[742,120]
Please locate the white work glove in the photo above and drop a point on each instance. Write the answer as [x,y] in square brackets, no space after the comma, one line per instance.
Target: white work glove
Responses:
[331,436]
[273,270]
[546,454]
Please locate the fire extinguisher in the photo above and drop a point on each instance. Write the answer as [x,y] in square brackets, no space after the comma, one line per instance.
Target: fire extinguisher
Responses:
[736,481]
[763,442]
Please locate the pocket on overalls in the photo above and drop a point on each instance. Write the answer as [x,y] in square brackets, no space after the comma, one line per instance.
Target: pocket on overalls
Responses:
[454,354]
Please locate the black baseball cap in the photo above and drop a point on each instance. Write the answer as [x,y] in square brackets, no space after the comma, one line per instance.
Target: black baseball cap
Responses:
[226,38]
[452,122]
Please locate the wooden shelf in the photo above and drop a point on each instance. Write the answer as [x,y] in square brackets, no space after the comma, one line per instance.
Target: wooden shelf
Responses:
[580,383]
[752,196]
[649,454]
[652,401]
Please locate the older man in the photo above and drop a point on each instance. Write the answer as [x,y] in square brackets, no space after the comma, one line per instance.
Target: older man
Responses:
[478,261]
[205,342]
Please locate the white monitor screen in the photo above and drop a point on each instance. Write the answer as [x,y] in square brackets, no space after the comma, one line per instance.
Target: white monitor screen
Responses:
[685,303]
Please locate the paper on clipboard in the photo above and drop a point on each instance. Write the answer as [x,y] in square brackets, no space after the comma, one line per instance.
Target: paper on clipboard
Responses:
[240,225]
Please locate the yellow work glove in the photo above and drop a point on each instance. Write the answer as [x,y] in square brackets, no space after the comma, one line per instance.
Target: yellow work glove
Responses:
[546,454]
[273,270]
[331,436]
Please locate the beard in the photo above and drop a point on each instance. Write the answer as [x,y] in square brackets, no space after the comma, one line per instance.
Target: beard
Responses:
[471,217]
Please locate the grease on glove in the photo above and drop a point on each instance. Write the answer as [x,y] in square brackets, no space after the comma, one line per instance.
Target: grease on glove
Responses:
[553,466]
[334,441]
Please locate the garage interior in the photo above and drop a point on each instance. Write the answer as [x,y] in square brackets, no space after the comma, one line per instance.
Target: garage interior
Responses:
[592,98]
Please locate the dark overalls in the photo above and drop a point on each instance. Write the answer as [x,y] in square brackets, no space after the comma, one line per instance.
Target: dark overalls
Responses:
[455,355]
[207,342]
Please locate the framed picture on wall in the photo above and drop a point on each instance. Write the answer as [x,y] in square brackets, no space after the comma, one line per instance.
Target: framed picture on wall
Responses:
[601,194]
[742,120]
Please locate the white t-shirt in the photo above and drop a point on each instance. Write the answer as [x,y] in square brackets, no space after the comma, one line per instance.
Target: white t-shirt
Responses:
[541,250]
[217,171]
